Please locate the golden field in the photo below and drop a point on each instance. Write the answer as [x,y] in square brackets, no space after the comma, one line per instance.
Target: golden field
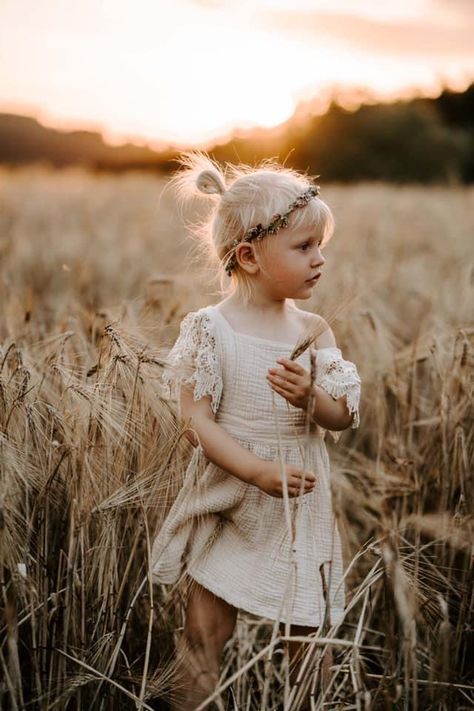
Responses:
[96,273]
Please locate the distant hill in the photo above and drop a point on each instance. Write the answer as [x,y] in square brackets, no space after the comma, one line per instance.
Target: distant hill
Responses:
[420,140]
[25,140]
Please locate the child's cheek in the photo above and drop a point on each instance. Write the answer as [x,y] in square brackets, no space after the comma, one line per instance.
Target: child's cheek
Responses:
[280,268]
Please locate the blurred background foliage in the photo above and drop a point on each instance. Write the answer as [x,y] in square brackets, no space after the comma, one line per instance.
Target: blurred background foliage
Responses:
[422,140]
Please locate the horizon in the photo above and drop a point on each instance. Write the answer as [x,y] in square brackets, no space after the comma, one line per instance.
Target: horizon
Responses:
[312,106]
[99,69]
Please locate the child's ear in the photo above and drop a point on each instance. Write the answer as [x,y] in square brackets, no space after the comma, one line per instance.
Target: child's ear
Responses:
[245,255]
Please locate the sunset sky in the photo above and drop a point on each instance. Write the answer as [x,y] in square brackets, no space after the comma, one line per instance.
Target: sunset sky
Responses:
[188,71]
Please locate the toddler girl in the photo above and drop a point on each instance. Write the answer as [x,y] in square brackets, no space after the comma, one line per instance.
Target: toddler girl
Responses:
[253,527]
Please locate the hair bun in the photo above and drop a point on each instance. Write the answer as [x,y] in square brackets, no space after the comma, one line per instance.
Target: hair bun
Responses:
[198,174]
[210,182]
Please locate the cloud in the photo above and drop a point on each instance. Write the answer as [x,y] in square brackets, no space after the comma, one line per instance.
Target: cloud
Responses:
[462,8]
[416,38]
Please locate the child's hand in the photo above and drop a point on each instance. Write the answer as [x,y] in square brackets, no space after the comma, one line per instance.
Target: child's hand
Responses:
[291,381]
[269,479]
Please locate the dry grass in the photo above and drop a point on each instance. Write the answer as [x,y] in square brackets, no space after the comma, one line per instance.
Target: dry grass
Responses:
[94,281]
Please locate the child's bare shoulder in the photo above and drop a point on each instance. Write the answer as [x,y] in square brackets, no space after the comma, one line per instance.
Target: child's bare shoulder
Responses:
[315,322]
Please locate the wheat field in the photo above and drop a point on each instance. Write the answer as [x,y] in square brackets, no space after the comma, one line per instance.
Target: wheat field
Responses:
[96,273]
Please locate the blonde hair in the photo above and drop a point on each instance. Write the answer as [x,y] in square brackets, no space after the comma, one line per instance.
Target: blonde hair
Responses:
[244,196]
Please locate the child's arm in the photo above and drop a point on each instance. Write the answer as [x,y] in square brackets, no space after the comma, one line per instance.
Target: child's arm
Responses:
[224,451]
[294,384]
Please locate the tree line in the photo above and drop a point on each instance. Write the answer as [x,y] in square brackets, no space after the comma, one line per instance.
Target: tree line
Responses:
[424,140]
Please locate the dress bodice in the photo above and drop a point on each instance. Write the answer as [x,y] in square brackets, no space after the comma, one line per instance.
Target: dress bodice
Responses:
[231,367]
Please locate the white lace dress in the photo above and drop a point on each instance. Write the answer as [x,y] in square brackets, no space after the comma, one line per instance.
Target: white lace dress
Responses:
[247,547]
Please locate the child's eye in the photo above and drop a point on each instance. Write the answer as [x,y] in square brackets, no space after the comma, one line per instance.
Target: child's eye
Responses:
[304,247]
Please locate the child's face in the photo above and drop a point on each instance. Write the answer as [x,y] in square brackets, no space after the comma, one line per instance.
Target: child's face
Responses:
[291,263]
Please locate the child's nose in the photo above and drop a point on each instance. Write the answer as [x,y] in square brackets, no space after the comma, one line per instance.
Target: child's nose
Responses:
[318,260]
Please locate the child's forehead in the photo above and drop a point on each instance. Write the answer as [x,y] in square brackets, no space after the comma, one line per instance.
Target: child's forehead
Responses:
[308,231]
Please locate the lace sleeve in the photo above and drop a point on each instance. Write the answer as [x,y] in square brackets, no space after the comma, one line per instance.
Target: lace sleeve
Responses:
[338,377]
[193,360]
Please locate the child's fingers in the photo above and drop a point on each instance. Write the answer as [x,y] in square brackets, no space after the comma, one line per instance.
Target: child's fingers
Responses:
[280,390]
[291,365]
[285,374]
[295,491]
[309,476]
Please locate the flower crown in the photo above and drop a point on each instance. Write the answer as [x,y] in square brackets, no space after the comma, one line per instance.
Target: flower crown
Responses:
[278,222]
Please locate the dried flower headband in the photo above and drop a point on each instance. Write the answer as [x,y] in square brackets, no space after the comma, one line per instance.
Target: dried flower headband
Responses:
[278,222]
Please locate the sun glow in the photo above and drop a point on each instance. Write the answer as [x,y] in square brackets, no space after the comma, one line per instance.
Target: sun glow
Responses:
[220,80]
[217,81]
[192,72]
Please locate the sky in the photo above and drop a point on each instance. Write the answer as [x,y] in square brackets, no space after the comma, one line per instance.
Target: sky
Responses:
[186,72]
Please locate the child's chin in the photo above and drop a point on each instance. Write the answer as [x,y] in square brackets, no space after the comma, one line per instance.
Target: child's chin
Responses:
[301,294]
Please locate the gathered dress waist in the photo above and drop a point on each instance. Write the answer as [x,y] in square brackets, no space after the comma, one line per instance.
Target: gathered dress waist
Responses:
[267,432]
